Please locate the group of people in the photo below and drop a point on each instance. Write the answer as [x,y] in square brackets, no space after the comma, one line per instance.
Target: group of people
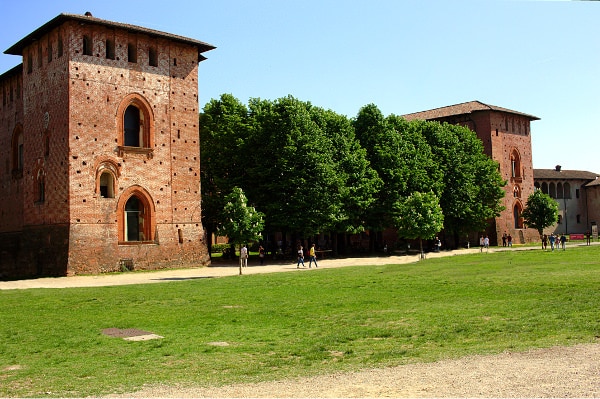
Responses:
[261,255]
[506,240]
[484,242]
[313,256]
[555,240]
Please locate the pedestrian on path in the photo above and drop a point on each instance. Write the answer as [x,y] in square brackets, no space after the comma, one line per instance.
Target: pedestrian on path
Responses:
[300,257]
[313,256]
[486,243]
[244,256]
[552,239]
[563,241]
[481,244]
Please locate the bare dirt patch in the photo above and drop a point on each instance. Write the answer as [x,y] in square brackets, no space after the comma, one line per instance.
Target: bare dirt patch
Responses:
[567,372]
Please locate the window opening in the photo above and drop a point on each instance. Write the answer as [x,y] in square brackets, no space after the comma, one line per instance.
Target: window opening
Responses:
[567,191]
[559,190]
[517,217]
[59,47]
[552,190]
[87,45]
[134,219]
[131,53]
[576,193]
[107,185]
[110,49]
[152,57]
[132,127]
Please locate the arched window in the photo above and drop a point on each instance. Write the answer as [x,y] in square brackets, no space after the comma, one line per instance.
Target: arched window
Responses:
[135,123]
[552,190]
[136,216]
[107,173]
[545,188]
[517,210]
[559,190]
[515,163]
[567,191]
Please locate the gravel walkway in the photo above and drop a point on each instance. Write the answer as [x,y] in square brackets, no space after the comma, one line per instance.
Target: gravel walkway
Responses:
[554,372]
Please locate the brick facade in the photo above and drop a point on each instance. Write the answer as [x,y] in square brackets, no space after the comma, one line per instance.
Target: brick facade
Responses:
[506,138]
[83,199]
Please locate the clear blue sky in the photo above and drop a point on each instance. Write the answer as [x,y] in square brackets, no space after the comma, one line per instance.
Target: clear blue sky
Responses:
[537,57]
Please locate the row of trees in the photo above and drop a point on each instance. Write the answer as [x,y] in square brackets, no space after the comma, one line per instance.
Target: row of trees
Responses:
[311,170]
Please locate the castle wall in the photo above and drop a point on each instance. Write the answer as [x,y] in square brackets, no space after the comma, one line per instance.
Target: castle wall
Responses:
[73,102]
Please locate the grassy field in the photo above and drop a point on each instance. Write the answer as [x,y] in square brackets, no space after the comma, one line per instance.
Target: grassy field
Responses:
[292,324]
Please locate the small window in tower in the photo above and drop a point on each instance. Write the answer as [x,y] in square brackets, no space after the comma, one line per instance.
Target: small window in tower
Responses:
[152,57]
[87,45]
[578,219]
[59,47]
[107,185]
[132,52]
[576,193]
[29,63]
[110,49]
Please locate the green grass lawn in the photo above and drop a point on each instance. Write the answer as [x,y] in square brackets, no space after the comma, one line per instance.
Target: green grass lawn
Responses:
[292,324]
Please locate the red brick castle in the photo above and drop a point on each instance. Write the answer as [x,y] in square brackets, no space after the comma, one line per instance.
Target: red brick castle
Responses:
[99,150]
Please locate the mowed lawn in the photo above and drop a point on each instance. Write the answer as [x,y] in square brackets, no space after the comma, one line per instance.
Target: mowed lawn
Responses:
[273,326]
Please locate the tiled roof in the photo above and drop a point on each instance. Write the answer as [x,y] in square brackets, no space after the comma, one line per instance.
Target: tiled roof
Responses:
[461,109]
[553,174]
[17,49]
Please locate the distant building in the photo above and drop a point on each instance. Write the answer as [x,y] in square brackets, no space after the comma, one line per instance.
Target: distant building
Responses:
[577,193]
[506,138]
[99,150]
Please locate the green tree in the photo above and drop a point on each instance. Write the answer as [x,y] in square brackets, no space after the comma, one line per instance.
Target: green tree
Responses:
[223,135]
[419,216]
[540,211]
[240,223]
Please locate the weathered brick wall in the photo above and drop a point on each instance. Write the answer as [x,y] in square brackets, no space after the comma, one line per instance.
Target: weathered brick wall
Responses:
[71,122]
[11,184]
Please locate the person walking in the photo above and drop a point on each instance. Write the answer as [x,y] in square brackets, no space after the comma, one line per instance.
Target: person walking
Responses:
[261,254]
[481,244]
[509,240]
[545,241]
[552,239]
[300,257]
[313,256]
[563,241]
[244,256]
[486,243]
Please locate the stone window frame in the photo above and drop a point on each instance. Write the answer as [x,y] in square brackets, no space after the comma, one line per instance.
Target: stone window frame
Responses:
[146,124]
[149,214]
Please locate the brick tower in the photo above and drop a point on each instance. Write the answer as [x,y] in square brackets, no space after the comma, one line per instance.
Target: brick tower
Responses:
[100,140]
[506,139]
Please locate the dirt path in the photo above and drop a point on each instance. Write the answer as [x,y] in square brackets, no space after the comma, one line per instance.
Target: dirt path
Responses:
[568,372]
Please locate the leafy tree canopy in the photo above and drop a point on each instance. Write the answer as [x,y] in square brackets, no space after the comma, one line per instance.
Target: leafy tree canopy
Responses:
[540,211]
